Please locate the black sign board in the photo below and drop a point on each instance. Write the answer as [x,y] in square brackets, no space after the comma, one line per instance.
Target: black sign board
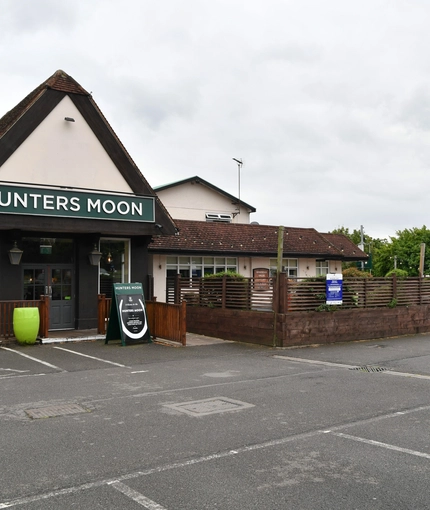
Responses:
[128,320]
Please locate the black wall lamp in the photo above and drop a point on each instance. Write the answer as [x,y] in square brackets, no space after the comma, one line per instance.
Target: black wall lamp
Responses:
[94,256]
[15,255]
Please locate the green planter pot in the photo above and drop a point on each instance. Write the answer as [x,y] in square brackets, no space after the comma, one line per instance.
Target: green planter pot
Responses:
[26,324]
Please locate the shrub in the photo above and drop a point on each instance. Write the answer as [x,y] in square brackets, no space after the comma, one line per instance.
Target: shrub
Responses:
[230,275]
[353,272]
[400,273]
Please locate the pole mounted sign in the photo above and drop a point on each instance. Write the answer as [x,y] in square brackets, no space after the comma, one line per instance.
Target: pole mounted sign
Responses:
[128,319]
[75,204]
[333,288]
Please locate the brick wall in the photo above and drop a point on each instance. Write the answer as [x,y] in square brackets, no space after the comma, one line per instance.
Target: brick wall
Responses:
[304,328]
[239,325]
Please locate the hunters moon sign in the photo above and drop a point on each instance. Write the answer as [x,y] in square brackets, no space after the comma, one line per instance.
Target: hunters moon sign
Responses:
[75,204]
[128,320]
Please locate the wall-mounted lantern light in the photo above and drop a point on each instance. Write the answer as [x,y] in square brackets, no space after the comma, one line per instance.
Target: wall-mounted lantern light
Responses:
[15,255]
[94,256]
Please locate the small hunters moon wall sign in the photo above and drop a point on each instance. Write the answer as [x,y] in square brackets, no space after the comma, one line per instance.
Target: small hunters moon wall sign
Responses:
[128,320]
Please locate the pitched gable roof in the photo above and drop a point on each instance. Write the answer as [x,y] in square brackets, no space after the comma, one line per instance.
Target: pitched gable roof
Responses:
[248,239]
[59,81]
[199,180]
[346,246]
[17,124]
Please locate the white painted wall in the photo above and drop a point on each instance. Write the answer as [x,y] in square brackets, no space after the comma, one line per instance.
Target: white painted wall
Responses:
[190,201]
[65,154]
[245,267]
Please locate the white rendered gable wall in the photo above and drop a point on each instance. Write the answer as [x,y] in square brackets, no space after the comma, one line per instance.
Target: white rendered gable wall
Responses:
[64,153]
[192,201]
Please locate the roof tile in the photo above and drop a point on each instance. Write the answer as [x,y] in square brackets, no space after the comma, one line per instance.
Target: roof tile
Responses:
[251,239]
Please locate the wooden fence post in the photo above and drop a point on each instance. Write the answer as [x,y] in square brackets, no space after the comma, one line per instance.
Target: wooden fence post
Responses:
[283,296]
[275,300]
[44,316]
[224,291]
[101,307]
[394,286]
[177,289]
[183,322]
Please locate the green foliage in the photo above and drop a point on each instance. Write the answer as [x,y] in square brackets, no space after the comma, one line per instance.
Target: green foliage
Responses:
[354,272]
[230,275]
[392,303]
[400,273]
[402,250]
[326,308]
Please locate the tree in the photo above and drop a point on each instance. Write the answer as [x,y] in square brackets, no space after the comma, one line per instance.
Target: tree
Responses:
[406,248]
[399,252]
[371,245]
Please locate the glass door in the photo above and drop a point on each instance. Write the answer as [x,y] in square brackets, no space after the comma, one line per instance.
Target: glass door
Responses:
[56,282]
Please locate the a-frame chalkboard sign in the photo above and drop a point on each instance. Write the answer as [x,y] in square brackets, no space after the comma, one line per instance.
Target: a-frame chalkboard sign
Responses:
[128,320]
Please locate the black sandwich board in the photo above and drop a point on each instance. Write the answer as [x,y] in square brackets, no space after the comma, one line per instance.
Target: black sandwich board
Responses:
[128,319]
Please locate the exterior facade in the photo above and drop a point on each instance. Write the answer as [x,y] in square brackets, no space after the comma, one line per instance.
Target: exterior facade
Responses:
[211,239]
[197,199]
[74,207]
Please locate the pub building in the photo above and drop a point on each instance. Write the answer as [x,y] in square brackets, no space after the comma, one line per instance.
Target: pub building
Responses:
[76,214]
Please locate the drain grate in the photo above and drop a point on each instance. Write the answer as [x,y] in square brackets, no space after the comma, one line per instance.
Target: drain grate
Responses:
[369,368]
[209,406]
[53,411]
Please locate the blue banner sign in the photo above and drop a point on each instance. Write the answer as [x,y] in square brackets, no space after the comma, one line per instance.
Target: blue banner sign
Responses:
[333,289]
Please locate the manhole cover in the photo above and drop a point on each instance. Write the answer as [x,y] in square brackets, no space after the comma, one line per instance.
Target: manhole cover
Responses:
[209,406]
[52,411]
[369,368]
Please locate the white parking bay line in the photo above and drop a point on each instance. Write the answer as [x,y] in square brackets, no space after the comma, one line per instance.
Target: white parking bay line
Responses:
[382,445]
[342,365]
[92,357]
[136,496]
[34,359]
[313,361]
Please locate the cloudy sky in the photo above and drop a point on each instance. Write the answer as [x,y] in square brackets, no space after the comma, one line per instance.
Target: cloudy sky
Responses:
[326,102]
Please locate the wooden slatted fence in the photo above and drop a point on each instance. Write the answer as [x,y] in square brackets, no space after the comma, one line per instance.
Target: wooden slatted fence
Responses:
[6,315]
[296,294]
[167,321]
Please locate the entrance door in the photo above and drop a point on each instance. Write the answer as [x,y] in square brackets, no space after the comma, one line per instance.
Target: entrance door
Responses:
[55,281]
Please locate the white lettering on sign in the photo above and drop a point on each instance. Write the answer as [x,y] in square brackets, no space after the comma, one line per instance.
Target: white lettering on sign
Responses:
[48,202]
[93,205]
[123,208]
[137,209]
[21,200]
[8,200]
[35,198]
[74,204]
[62,202]
[108,206]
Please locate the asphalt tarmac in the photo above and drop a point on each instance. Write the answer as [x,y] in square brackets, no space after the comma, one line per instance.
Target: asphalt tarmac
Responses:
[216,425]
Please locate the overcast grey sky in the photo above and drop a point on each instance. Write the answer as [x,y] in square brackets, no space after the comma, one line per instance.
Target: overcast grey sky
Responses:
[326,101]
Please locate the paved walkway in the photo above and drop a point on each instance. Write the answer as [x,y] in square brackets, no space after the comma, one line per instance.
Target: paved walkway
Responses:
[77,335]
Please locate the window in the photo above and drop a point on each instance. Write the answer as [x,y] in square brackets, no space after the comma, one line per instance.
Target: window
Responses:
[114,264]
[321,267]
[289,266]
[223,218]
[196,267]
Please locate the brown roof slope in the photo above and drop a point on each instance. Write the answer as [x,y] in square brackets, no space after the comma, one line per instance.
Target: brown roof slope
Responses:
[14,128]
[245,239]
[346,246]
[198,180]
[58,81]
